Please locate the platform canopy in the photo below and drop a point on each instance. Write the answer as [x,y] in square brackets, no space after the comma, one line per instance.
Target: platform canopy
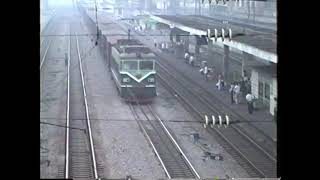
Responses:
[250,49]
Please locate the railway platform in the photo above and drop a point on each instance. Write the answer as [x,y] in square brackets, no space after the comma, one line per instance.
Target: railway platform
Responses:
[261,118]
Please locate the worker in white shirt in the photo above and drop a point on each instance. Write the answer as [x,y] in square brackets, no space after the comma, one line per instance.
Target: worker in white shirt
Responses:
[186,56]
[205,72]
[237,93]
[249,99]
[191,60]
[162,46]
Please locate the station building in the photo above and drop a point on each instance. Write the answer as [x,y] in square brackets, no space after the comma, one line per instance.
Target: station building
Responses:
[264,86]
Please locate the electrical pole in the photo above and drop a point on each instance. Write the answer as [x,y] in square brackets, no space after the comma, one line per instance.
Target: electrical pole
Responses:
[95,3]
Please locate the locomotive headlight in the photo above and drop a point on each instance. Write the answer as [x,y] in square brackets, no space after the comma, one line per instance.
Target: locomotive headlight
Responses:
[126,79]
[151,80]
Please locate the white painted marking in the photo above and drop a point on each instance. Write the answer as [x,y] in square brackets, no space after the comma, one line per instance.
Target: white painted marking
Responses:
[206,119]
[213,120]
[138,80]
[220,120]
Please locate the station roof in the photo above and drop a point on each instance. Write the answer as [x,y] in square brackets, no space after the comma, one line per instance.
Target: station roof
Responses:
[266,70]
[259,42]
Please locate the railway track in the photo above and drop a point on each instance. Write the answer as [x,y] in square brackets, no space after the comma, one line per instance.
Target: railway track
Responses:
[173,160]
[46,42]
[45,46]
[253,158]
[267,145]
[215,104]
[250,155]
[47,29]
[234,114]
[80,162]
[259,161]
[45,53]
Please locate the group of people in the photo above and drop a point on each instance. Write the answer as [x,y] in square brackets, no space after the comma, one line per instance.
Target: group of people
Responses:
[237,89]
[235,92]
[189,58]
[244,87]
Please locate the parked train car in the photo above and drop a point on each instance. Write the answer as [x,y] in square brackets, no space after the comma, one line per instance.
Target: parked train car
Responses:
[132,67]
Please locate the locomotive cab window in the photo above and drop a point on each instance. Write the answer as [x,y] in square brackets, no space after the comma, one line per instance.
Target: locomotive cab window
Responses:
[146,65]
[129,65]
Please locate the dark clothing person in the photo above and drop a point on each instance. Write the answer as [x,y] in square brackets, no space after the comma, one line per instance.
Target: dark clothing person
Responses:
[231,95]
[222,84]
[243,89]
[250,107]
[66,59]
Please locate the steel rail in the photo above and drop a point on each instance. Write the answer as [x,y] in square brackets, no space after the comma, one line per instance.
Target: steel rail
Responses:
[149,140]
[45,54]
[201,117]
[174,141]
[213,107]
[87,114]
[48,46]
[68,115]
[167,133]
[211,95]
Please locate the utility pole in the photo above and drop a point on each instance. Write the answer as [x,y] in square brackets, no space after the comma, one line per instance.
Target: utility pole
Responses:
[95,2]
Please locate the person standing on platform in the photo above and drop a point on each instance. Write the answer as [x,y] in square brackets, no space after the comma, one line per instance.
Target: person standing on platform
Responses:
[236,93]
[186,56]
[191,60]
[243,88]
[245,76]
[162,46]
[155,42]
[219,84]
[66,58]
[205,72]
[231,91]
[222,84]
[249,99]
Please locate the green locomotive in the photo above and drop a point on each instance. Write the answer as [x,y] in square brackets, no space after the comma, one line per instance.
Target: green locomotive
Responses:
[132,68]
